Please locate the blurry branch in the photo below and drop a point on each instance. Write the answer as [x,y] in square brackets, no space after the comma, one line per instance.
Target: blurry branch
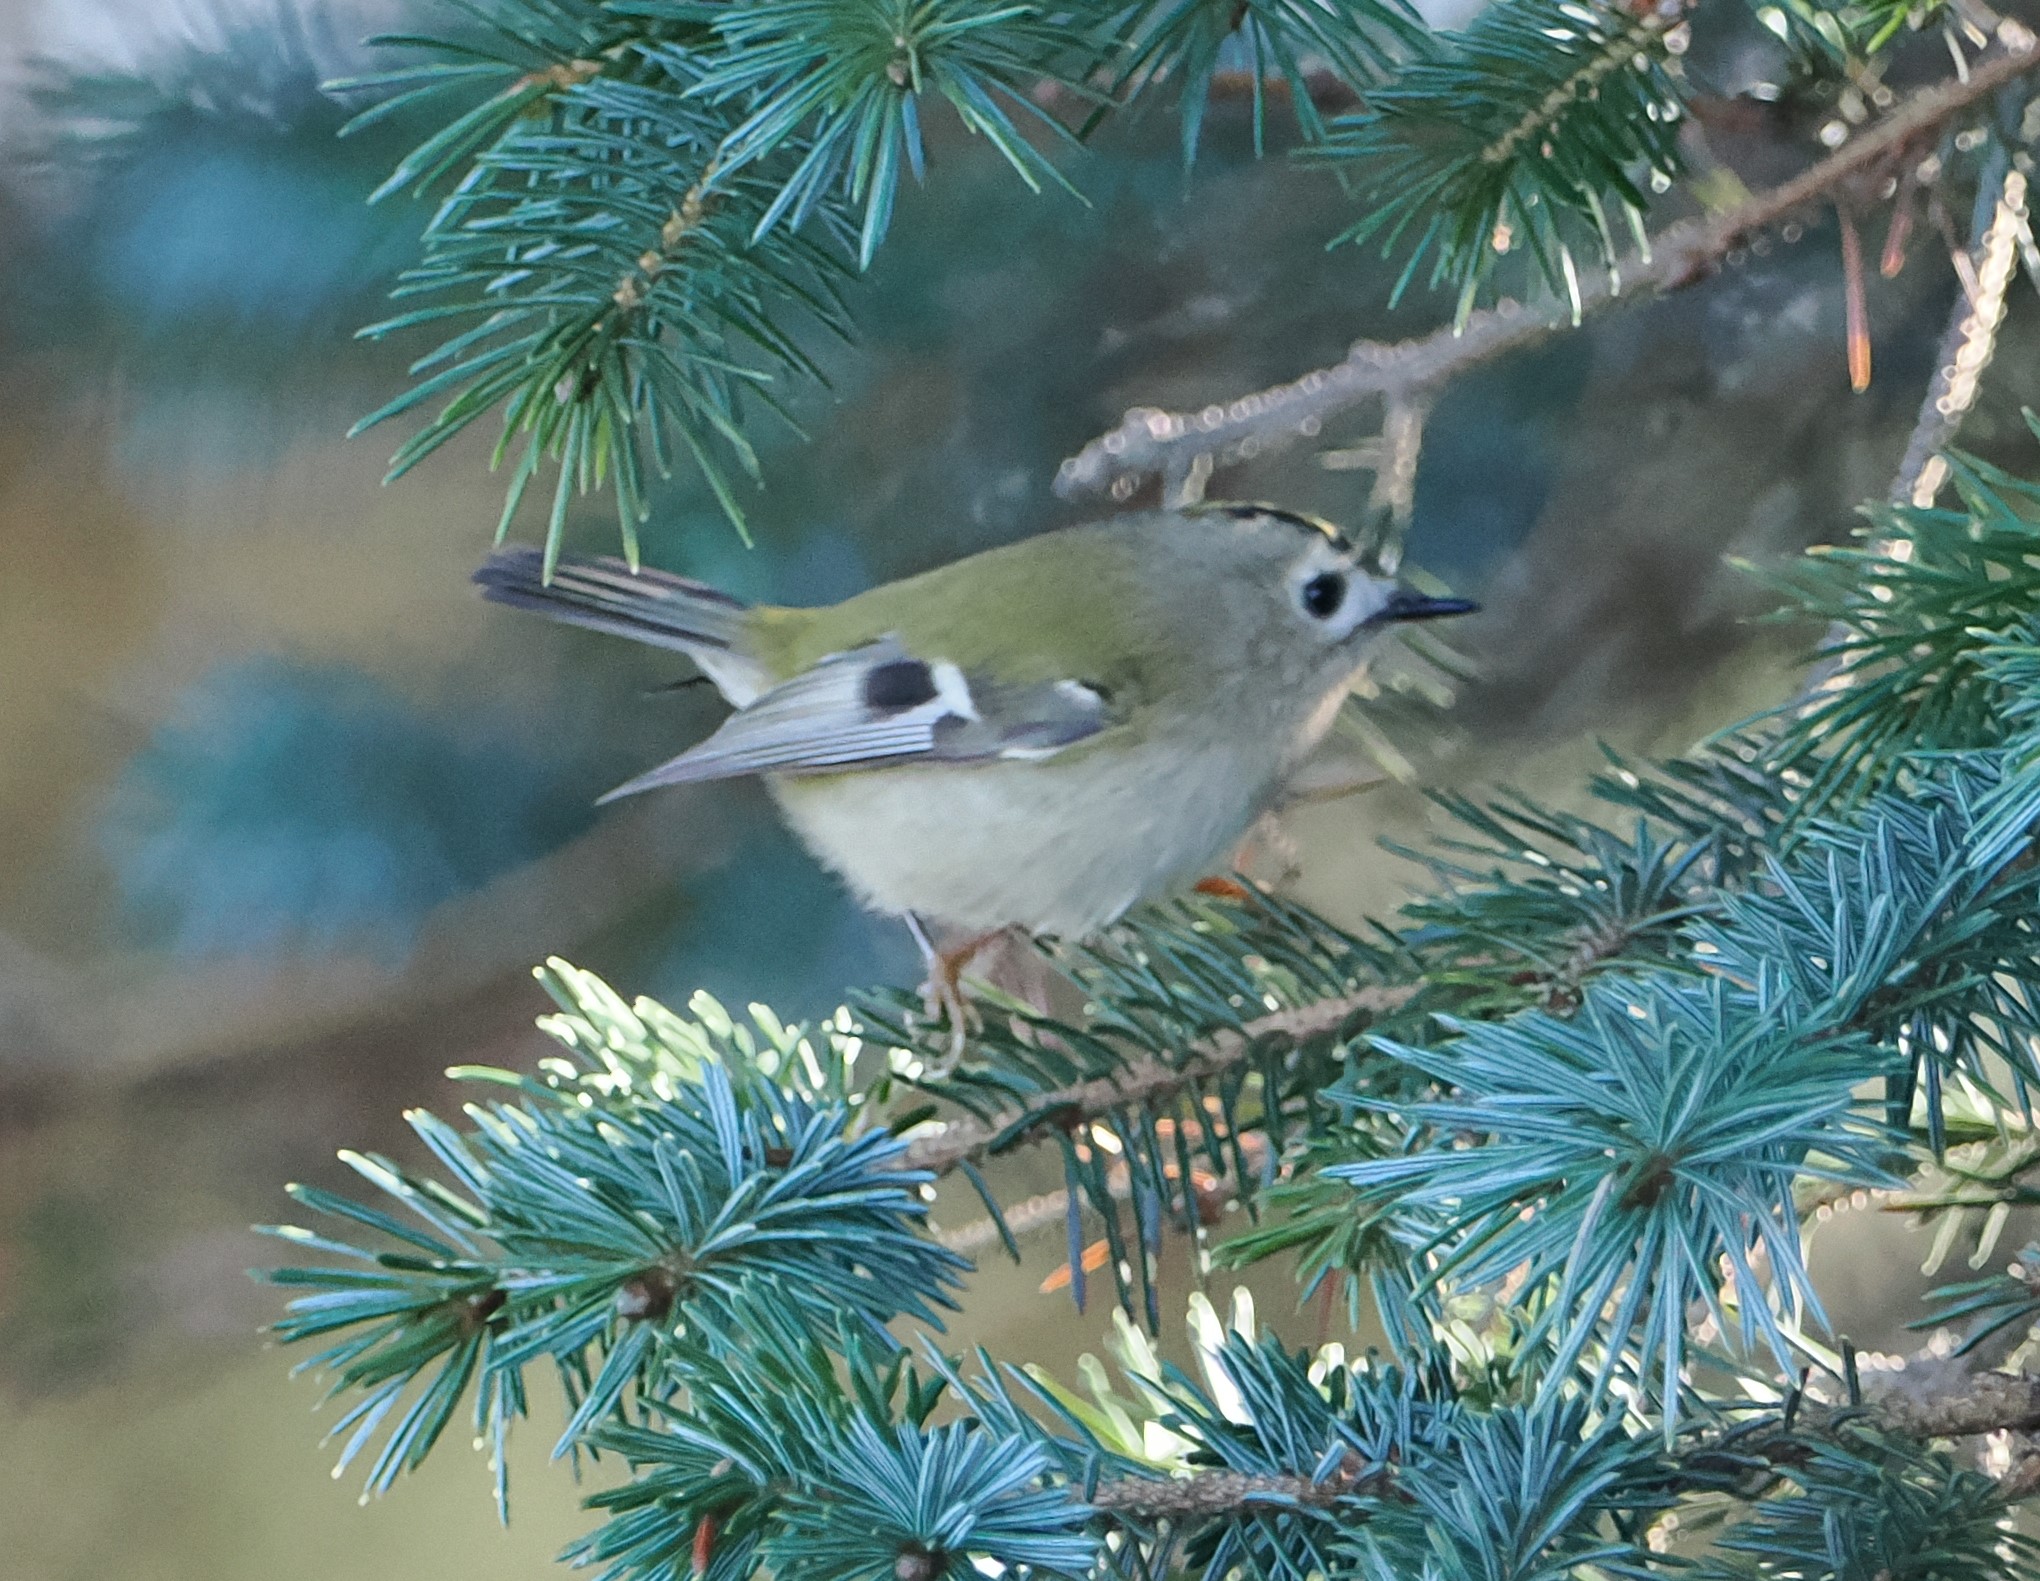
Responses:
[1970,340]
[1022,1218]
[1327,89]
[1990,1402]
[1407,374]
[972,1141]
[1984,271]
[1393,499]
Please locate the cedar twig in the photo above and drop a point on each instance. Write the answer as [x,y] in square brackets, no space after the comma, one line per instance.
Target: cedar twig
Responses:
[1990,1403]
[1209,1493]
[969,1141]
[1986,1402]
[1150,441]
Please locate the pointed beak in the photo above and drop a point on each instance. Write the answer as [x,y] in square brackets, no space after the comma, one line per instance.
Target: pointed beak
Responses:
[1406,603]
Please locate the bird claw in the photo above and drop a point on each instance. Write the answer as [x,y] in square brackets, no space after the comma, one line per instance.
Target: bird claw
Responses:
[942,996]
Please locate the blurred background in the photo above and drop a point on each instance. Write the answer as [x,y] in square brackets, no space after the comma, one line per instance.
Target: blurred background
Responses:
[287,815]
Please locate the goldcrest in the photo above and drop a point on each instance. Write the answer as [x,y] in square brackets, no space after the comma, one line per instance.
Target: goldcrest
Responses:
[1041,735]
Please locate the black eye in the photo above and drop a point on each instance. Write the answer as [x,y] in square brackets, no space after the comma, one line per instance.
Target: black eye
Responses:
[1323,594]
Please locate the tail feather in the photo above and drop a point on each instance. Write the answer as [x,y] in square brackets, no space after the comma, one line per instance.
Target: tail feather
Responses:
[652,607]
[647,606]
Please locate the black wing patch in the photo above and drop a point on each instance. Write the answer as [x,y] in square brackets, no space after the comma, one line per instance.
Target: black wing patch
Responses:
[899,684]
[877,706]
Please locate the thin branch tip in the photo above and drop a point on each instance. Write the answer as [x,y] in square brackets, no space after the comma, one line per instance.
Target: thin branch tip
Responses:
[1409,374]
[969,1141]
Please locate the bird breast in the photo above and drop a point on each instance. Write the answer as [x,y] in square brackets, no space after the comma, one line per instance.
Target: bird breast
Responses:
[1063,845]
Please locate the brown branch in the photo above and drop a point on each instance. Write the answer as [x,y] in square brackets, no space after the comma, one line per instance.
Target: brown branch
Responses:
[1970,1405]
[1990,1403]
[1147,1081]
[2023,1480]
[1327,89]
[560,76]
[1986,1402]
[1966,347]
[1209,1493]
[1150,441]
[681,223]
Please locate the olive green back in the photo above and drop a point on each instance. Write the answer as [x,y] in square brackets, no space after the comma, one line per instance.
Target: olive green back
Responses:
[1063,605]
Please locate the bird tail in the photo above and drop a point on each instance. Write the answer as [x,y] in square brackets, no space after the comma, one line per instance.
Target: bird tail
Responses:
[653,607]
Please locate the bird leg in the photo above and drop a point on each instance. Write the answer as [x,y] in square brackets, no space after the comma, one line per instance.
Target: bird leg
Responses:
[942,992]
[1267,836]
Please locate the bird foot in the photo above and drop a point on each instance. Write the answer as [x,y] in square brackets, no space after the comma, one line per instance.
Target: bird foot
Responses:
[943,998]
[942,992]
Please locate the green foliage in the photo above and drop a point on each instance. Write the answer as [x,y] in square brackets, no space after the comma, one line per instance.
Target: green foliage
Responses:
[810,1449]
[590,1222]
[1929,611]
[1724,794]
[1859,28]
[1362,1469]
[1182,42]
[1436,1484]
[1630,1154]
[1988,1307]
[1162,986]
[1277,1418]
[1554,901]
[647,212]
[646,207]
[850,74]
[1635,1147]
[1554,1121]
[945,1494]
[1904,925]
[1521,132]
[605,287]
[1339,1246]
[1544,1495]
[1862,1505]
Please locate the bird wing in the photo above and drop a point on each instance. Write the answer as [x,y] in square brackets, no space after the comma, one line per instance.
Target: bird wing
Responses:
[877,706]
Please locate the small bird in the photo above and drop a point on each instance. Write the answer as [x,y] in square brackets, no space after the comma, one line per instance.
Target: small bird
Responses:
[1038,736]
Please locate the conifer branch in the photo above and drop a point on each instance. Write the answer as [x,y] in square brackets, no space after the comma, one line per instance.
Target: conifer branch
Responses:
[1205,1494]
[1021,1218]
[1988,1403]
[1984,270]
[969,1141]
[1606,1061]
[1149,441]
[1969,342]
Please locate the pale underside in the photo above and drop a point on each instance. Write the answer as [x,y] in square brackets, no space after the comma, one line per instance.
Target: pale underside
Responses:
[1062,846]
